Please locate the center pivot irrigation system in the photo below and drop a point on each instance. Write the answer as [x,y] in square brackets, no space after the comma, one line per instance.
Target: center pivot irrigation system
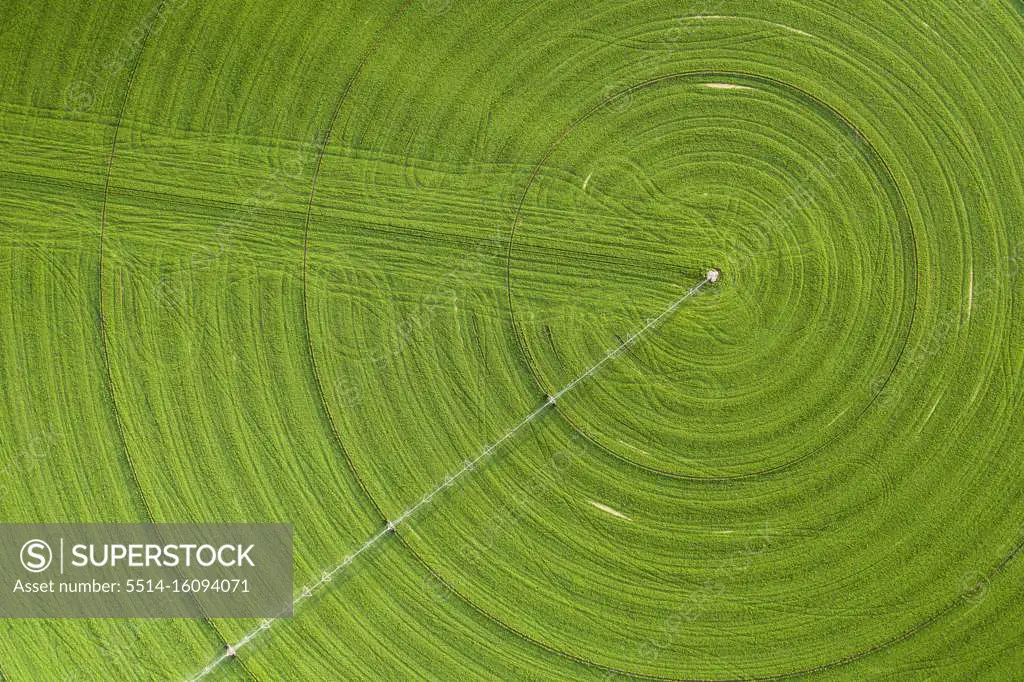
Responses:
[468,465]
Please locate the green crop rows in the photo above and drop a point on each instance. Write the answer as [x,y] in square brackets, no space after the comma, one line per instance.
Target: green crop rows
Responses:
[297,263]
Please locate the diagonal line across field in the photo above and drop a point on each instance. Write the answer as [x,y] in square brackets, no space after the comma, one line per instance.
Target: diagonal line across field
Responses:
[468,465]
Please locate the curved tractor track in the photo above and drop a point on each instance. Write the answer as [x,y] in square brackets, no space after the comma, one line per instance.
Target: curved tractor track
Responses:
[419,279]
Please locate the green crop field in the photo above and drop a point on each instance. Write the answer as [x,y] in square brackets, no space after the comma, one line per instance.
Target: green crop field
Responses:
[324,263]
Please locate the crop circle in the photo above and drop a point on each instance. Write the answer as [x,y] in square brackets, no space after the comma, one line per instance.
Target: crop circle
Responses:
[778,358]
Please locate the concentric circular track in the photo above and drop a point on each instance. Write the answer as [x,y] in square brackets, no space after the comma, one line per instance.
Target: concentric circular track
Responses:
[396,230]
[897,279]
[691,265]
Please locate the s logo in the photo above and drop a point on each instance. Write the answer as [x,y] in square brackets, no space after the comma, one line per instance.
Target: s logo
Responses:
[36,556]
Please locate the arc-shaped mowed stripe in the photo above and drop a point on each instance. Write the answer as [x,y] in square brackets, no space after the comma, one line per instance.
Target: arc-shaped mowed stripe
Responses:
[104,350]
[326,408]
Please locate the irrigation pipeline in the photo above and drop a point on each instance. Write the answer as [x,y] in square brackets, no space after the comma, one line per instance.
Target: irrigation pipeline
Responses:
[468,465]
